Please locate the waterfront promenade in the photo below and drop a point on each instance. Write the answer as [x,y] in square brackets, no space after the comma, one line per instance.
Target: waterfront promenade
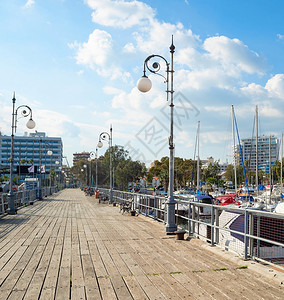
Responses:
[69,246]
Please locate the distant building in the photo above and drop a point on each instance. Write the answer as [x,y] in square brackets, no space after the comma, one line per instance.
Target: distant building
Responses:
[223,167]
[265,155]
[80,156]
[32,149]
[206,162]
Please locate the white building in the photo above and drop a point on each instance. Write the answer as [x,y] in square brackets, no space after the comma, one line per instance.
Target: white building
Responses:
[34,149]
[268,150]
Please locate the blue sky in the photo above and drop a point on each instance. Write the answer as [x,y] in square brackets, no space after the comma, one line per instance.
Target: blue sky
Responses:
[76,63]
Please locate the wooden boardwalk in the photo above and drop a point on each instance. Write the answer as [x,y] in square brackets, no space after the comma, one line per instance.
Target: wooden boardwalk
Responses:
[72,247]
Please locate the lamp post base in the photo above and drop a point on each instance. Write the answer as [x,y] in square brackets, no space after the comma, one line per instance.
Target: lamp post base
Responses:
[170,230]
[171,226]
[11,205]
[39,194]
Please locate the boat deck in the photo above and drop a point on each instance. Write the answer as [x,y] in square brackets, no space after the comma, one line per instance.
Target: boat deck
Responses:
[69,246]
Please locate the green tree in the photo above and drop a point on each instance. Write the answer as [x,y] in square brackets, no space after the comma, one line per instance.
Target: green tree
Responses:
[128,171]
[183,171]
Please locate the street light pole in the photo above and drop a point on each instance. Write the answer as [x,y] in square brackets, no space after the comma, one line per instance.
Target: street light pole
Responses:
[49,152]
[92,154]
[56,166]
[144,85]
[30,124]
[104,136]
[90,173]
[85,167]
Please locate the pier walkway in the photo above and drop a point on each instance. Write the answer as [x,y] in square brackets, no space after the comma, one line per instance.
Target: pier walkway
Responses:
[69,246]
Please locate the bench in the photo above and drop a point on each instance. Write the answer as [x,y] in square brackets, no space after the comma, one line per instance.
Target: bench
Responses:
[125,207]
[103,198]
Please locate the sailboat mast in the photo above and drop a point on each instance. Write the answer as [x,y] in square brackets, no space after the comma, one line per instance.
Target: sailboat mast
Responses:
[234,149]
[198,131]
[256,149]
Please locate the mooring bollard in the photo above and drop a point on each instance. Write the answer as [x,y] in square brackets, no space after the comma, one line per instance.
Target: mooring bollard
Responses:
[180,234]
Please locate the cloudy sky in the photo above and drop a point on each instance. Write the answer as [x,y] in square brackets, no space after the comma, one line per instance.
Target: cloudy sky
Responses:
[76,63]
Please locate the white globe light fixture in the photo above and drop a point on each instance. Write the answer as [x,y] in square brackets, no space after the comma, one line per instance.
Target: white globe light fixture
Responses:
[100,144]
[49,152]
[144,84]
[31,124]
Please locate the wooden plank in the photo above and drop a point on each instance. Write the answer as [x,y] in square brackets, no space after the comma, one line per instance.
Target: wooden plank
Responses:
[91,283]
[34,289]
[27,275]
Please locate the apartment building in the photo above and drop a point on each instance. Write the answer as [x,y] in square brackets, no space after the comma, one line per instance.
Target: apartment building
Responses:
[34,149]
[80,156]
[268,151]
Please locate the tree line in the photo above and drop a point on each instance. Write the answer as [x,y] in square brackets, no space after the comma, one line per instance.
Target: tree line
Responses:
[126,170]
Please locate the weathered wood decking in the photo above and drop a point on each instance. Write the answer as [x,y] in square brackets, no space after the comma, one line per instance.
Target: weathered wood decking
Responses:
[71,247]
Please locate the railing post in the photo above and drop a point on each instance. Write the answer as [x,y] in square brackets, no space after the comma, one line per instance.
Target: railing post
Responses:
[193,218]
[216,226]
[2,204]
[251,240]
[155,208]
[258,235]
[147,206]
[246,219]
[212,224]
[189,219]
[139,205]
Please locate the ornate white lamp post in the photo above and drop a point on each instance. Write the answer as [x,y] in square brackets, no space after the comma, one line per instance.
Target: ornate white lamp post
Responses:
[85,167]
[49,152]
[92,155]
[144,85]
[105,136]
[25,112]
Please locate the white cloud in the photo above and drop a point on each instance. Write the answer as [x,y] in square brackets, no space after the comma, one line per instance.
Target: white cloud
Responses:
[29,3]
[254,92]
[99,53]
[221,65]
[96,51]
[275,86]
[280,36]
[129,48]
[120,13]
[134,107]
[58,124]
[234,55]
[213,137]
[223,110]
[109,90]
[203,79]
[184,138]
[266,110]
[156,37]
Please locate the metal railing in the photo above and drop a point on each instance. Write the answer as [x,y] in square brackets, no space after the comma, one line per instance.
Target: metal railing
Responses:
[26,197]
[251,233]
